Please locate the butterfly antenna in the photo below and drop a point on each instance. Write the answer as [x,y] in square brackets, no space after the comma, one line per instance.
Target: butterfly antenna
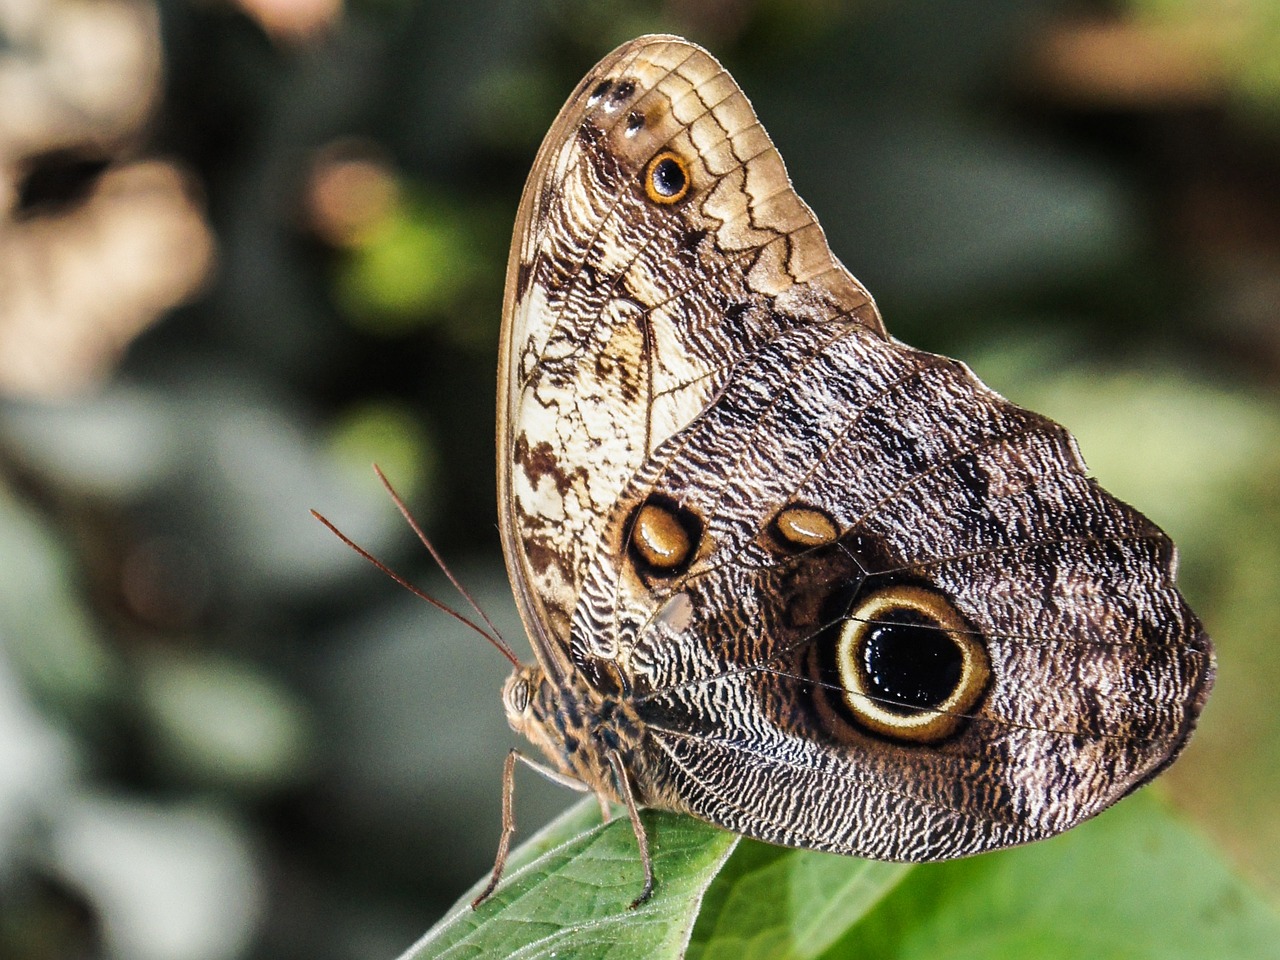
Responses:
[435,555]
[494,638]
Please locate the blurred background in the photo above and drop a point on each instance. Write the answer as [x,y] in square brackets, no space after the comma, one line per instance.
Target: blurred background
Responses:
[249,246]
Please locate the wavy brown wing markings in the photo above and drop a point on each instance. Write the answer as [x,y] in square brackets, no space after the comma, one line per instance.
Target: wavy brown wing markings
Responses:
[733,700]
[755,420]
[558,157]
[651,270]
[657,255]
[755,447]
[1054,437]
[1143,685]
[794,803]
[761,425]
[1061,732]
[939,792]
[1147,652]
[723,318]
[1019,775]
[575,407]
[950,784]
[602,234]
[575,432]
[586,353]
[737,655]
[534,553]
[699,322]
[1146,640]
[722,707]
[1082,510]
[1170,610]
[689,690]
[644,58]
[886,439]
[706,72]
[1155,546]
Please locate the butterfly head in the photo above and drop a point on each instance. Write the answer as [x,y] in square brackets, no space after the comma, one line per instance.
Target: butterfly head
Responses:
[531,705]
[574,726]
[518,693]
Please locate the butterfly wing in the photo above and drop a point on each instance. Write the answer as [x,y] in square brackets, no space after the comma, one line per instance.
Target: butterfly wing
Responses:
[624,313]
[731,501]
[841,485]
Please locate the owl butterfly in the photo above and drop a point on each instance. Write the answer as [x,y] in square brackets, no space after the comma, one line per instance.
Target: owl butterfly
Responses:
[782,572]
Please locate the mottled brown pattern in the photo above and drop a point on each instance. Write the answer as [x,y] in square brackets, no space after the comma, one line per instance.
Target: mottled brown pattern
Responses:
[615,334]
[1099,670]
[711,358]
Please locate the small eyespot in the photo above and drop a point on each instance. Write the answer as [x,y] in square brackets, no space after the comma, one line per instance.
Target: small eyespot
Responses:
[664,537]
[635,123]
[666,178]
[801,528]
[911,668]
[601,89]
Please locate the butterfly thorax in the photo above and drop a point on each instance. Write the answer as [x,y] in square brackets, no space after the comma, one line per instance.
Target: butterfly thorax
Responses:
[576,726]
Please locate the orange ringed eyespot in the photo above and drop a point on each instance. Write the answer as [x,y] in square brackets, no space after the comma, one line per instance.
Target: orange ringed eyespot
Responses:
[666,178]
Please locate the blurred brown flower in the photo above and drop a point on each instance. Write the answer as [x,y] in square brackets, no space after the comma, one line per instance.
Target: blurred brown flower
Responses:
[77,286]
[90,260]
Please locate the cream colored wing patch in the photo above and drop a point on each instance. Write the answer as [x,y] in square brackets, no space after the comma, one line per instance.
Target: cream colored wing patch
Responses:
[659,243]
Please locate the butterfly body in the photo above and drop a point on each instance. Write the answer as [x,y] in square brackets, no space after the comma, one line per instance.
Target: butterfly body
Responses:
[577,728]
[781,571]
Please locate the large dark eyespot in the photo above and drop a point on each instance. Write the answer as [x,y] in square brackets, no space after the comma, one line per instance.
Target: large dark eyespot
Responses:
[666,178]
[911,667]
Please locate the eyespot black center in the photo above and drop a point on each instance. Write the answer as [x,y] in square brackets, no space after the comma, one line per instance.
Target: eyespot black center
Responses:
[601,89]
[910,665]
[666,178]
[910,662]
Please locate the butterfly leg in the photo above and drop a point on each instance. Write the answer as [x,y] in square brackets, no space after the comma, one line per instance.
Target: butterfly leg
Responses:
[508,812]
[642,838]
[606,808]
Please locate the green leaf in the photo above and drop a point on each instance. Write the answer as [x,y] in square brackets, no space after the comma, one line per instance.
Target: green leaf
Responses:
[567,893]
[1134,882]
[777,902]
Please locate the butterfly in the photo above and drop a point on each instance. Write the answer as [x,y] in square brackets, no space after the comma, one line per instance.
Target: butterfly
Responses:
[779,570]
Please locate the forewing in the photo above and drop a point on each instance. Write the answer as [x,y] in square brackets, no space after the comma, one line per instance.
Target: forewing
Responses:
[625,311]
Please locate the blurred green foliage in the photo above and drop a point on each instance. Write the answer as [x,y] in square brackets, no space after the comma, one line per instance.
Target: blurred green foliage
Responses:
[419,261]
[1244,38]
